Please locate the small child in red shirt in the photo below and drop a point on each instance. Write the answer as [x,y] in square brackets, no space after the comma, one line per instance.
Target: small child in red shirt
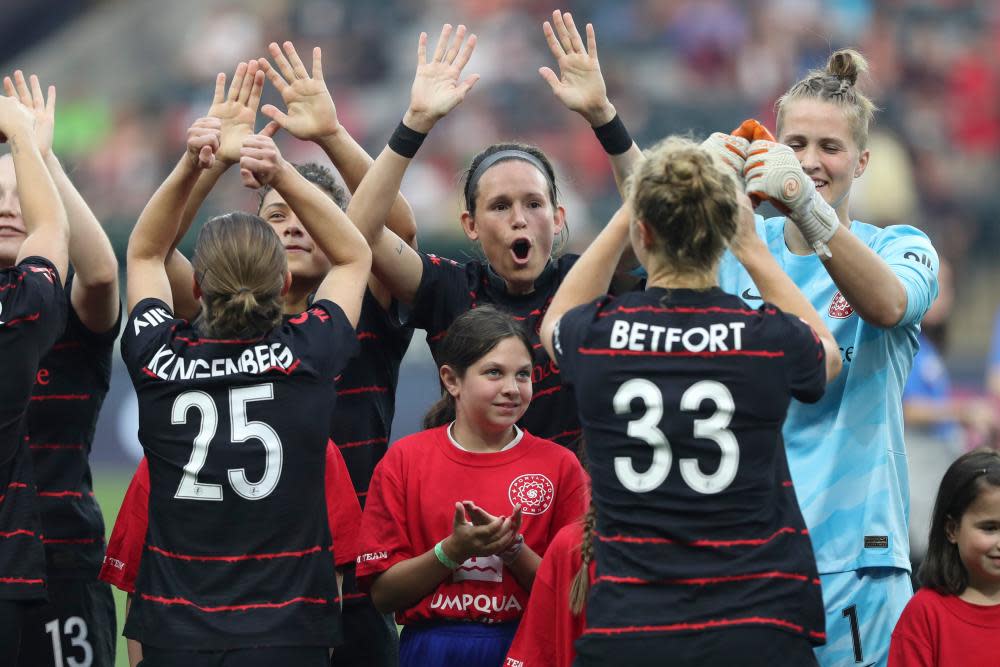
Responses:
[556,612]
[955,618]
[458,516]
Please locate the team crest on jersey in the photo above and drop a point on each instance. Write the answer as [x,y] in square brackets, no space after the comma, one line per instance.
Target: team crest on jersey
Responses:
[839,308]
[533,492]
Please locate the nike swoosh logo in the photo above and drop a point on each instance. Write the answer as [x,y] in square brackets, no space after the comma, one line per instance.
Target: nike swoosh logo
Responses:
[747,295]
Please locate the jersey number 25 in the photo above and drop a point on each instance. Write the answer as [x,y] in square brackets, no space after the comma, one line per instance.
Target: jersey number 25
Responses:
[241,430]
[647,429]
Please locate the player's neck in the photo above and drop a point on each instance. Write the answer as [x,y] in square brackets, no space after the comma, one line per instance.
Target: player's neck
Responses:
[477,440]
[297,299]
[985,593]
[667,278]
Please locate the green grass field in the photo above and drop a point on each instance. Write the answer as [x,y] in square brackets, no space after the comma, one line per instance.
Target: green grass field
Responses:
[109,487]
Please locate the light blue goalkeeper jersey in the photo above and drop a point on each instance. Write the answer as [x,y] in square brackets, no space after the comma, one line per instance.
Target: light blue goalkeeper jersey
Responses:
[846,452]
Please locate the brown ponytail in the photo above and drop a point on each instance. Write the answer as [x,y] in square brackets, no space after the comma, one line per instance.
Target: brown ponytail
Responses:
[836,84]
[581,581]
[240,267]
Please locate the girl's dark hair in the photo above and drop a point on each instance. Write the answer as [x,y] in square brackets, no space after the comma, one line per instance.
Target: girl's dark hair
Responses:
[471,337]
[240,266]
[471,189]
[688,199]
[319,176]
[967,477]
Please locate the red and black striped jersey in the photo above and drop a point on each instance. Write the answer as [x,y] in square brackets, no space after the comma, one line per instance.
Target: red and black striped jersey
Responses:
[124,552]
[366,403]
[32,315]
[237,550]
[70,386]
[366,393]
[682,395]
[448,289]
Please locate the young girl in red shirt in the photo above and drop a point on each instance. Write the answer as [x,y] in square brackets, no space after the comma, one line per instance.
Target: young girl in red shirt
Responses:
[459,515]
[955,618]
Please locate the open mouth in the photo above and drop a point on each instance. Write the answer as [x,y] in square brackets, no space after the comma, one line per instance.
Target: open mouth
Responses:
[819,183]
[521,249]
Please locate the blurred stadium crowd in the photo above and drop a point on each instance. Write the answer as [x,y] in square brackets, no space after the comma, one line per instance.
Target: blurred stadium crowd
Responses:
[132,76]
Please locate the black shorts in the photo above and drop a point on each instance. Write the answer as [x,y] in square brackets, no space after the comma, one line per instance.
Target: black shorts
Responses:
[11,620]
[746,647]
[267,656]
[370,638]
[76,627]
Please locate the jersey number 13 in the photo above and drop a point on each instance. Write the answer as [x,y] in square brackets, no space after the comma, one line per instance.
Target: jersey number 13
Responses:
[647,429]
[241,430]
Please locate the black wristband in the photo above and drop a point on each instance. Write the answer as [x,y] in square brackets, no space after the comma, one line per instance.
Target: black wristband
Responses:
[406,141]
[613,136]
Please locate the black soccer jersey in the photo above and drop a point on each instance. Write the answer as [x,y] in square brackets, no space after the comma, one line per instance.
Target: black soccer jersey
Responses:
[682,395]
[366,403]
[237,549]
[448,289]
[70,386]
[32,315]
[366,393]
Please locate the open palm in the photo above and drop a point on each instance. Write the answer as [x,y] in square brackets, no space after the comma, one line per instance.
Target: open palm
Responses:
[238,109]
[580,84]
[43,111]
[436,88]
[310,113]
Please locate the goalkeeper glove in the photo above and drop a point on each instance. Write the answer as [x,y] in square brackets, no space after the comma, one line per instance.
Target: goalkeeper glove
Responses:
[772,172]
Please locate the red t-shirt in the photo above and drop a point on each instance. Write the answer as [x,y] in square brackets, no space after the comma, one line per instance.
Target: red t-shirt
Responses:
[944,630]
[411,506]
[548,628]
[121,561]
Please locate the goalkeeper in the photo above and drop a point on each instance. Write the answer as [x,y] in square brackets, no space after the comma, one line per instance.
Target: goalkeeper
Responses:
[872,286]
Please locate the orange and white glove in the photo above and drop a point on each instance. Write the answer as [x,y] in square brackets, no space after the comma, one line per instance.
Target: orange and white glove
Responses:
[753,130]
[731,150]
[773,173]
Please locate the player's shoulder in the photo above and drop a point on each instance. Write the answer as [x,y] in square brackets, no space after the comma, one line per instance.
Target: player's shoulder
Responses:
[876,237]
[550,451]
[415,444]
[567,539]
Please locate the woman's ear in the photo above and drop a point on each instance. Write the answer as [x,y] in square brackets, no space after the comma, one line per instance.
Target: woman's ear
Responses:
[450,379]
[288,282]
[469,226]
[195,288]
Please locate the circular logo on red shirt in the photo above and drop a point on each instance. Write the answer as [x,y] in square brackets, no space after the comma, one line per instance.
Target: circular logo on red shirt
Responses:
[533,492]
[839,307]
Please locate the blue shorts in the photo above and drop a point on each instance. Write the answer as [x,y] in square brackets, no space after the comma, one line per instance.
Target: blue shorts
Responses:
[862,607]
[455,644]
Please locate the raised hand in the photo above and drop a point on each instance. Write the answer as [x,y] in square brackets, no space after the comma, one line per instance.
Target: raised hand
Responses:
[436,89]
[237,109]
[580,84]
[203,138]
[43,110]
[732,150]
[260,159]
[773,173]
[311,113]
